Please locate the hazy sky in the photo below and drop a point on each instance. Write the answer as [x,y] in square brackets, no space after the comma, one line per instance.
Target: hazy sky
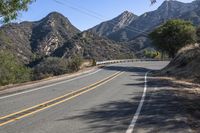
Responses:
[87,13]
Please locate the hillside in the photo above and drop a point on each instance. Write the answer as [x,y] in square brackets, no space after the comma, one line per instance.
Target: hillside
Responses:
[91,46]
[108,27]
[31,40]
[185,65]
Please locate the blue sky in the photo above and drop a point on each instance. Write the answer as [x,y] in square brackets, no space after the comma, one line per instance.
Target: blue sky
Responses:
[85,14]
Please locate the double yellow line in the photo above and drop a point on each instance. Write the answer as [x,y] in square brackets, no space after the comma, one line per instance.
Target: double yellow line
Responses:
[53,102]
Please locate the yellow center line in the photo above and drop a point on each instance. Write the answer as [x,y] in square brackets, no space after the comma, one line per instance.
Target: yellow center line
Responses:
[5,119]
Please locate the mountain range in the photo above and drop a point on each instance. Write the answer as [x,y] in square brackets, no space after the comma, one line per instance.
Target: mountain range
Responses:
[142,25]
[125,36]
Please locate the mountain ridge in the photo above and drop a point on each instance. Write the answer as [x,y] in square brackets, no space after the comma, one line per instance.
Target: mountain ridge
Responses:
[107,27]
[55,36]
[135,34]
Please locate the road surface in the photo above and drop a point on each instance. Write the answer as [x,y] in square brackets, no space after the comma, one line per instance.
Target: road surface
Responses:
[105,101]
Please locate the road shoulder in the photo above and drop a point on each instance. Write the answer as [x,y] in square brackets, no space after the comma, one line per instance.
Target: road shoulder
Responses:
[170,106]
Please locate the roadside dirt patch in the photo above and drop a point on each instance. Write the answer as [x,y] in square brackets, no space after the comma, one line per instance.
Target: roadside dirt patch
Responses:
[188,95]
[185,66]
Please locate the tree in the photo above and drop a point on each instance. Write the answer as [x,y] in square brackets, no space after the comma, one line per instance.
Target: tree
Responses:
[9,9]
[173,35]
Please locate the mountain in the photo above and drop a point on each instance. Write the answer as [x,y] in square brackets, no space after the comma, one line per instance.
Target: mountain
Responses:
[55,36]
[30,40]
[51,32]
[148,21]
[108,27]
[91,46]
[192,16]
[135,33]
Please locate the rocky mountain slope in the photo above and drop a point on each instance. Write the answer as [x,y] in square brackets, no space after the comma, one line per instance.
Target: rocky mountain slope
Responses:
[148,21]
[30,40]
[142,25]
[55,36]
[93,46]
[108,27]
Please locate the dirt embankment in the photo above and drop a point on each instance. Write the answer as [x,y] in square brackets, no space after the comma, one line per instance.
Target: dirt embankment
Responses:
[183,74]
[186,65]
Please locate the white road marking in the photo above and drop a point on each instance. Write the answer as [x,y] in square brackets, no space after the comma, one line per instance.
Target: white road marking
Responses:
[134,120]
[46,86]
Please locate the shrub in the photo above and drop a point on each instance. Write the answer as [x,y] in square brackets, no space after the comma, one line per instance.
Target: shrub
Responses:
[12,71]
[53,66]
[75,63]
[152,54]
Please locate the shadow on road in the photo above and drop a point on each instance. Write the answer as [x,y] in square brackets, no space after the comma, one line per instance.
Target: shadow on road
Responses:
[109,117]
[163,110]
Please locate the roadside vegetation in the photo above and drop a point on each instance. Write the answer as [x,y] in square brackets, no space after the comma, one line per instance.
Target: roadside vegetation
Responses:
[180,40]
[152,54]
[54,66]
[173,35]
[12,71]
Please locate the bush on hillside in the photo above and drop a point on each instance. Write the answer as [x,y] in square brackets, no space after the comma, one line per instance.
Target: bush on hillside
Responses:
[53,66]
[12,71]
[75,63]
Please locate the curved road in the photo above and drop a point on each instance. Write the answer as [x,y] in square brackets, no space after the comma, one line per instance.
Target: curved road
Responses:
[105,101]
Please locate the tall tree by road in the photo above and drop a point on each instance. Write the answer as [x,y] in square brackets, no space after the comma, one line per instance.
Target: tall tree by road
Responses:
[173,35]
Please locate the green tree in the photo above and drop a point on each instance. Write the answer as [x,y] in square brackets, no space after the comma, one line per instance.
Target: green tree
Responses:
[173,35]
[9,9]
[12,71]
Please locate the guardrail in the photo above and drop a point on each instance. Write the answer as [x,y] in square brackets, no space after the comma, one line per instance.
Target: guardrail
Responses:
[125,60]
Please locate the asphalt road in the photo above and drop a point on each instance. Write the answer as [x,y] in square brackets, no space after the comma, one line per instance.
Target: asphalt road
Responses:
[106,102]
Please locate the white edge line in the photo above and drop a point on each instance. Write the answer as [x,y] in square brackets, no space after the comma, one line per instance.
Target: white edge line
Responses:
[137,113]
[46,86]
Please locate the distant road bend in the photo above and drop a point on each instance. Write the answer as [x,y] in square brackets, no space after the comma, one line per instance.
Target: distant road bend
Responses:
[109,100]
